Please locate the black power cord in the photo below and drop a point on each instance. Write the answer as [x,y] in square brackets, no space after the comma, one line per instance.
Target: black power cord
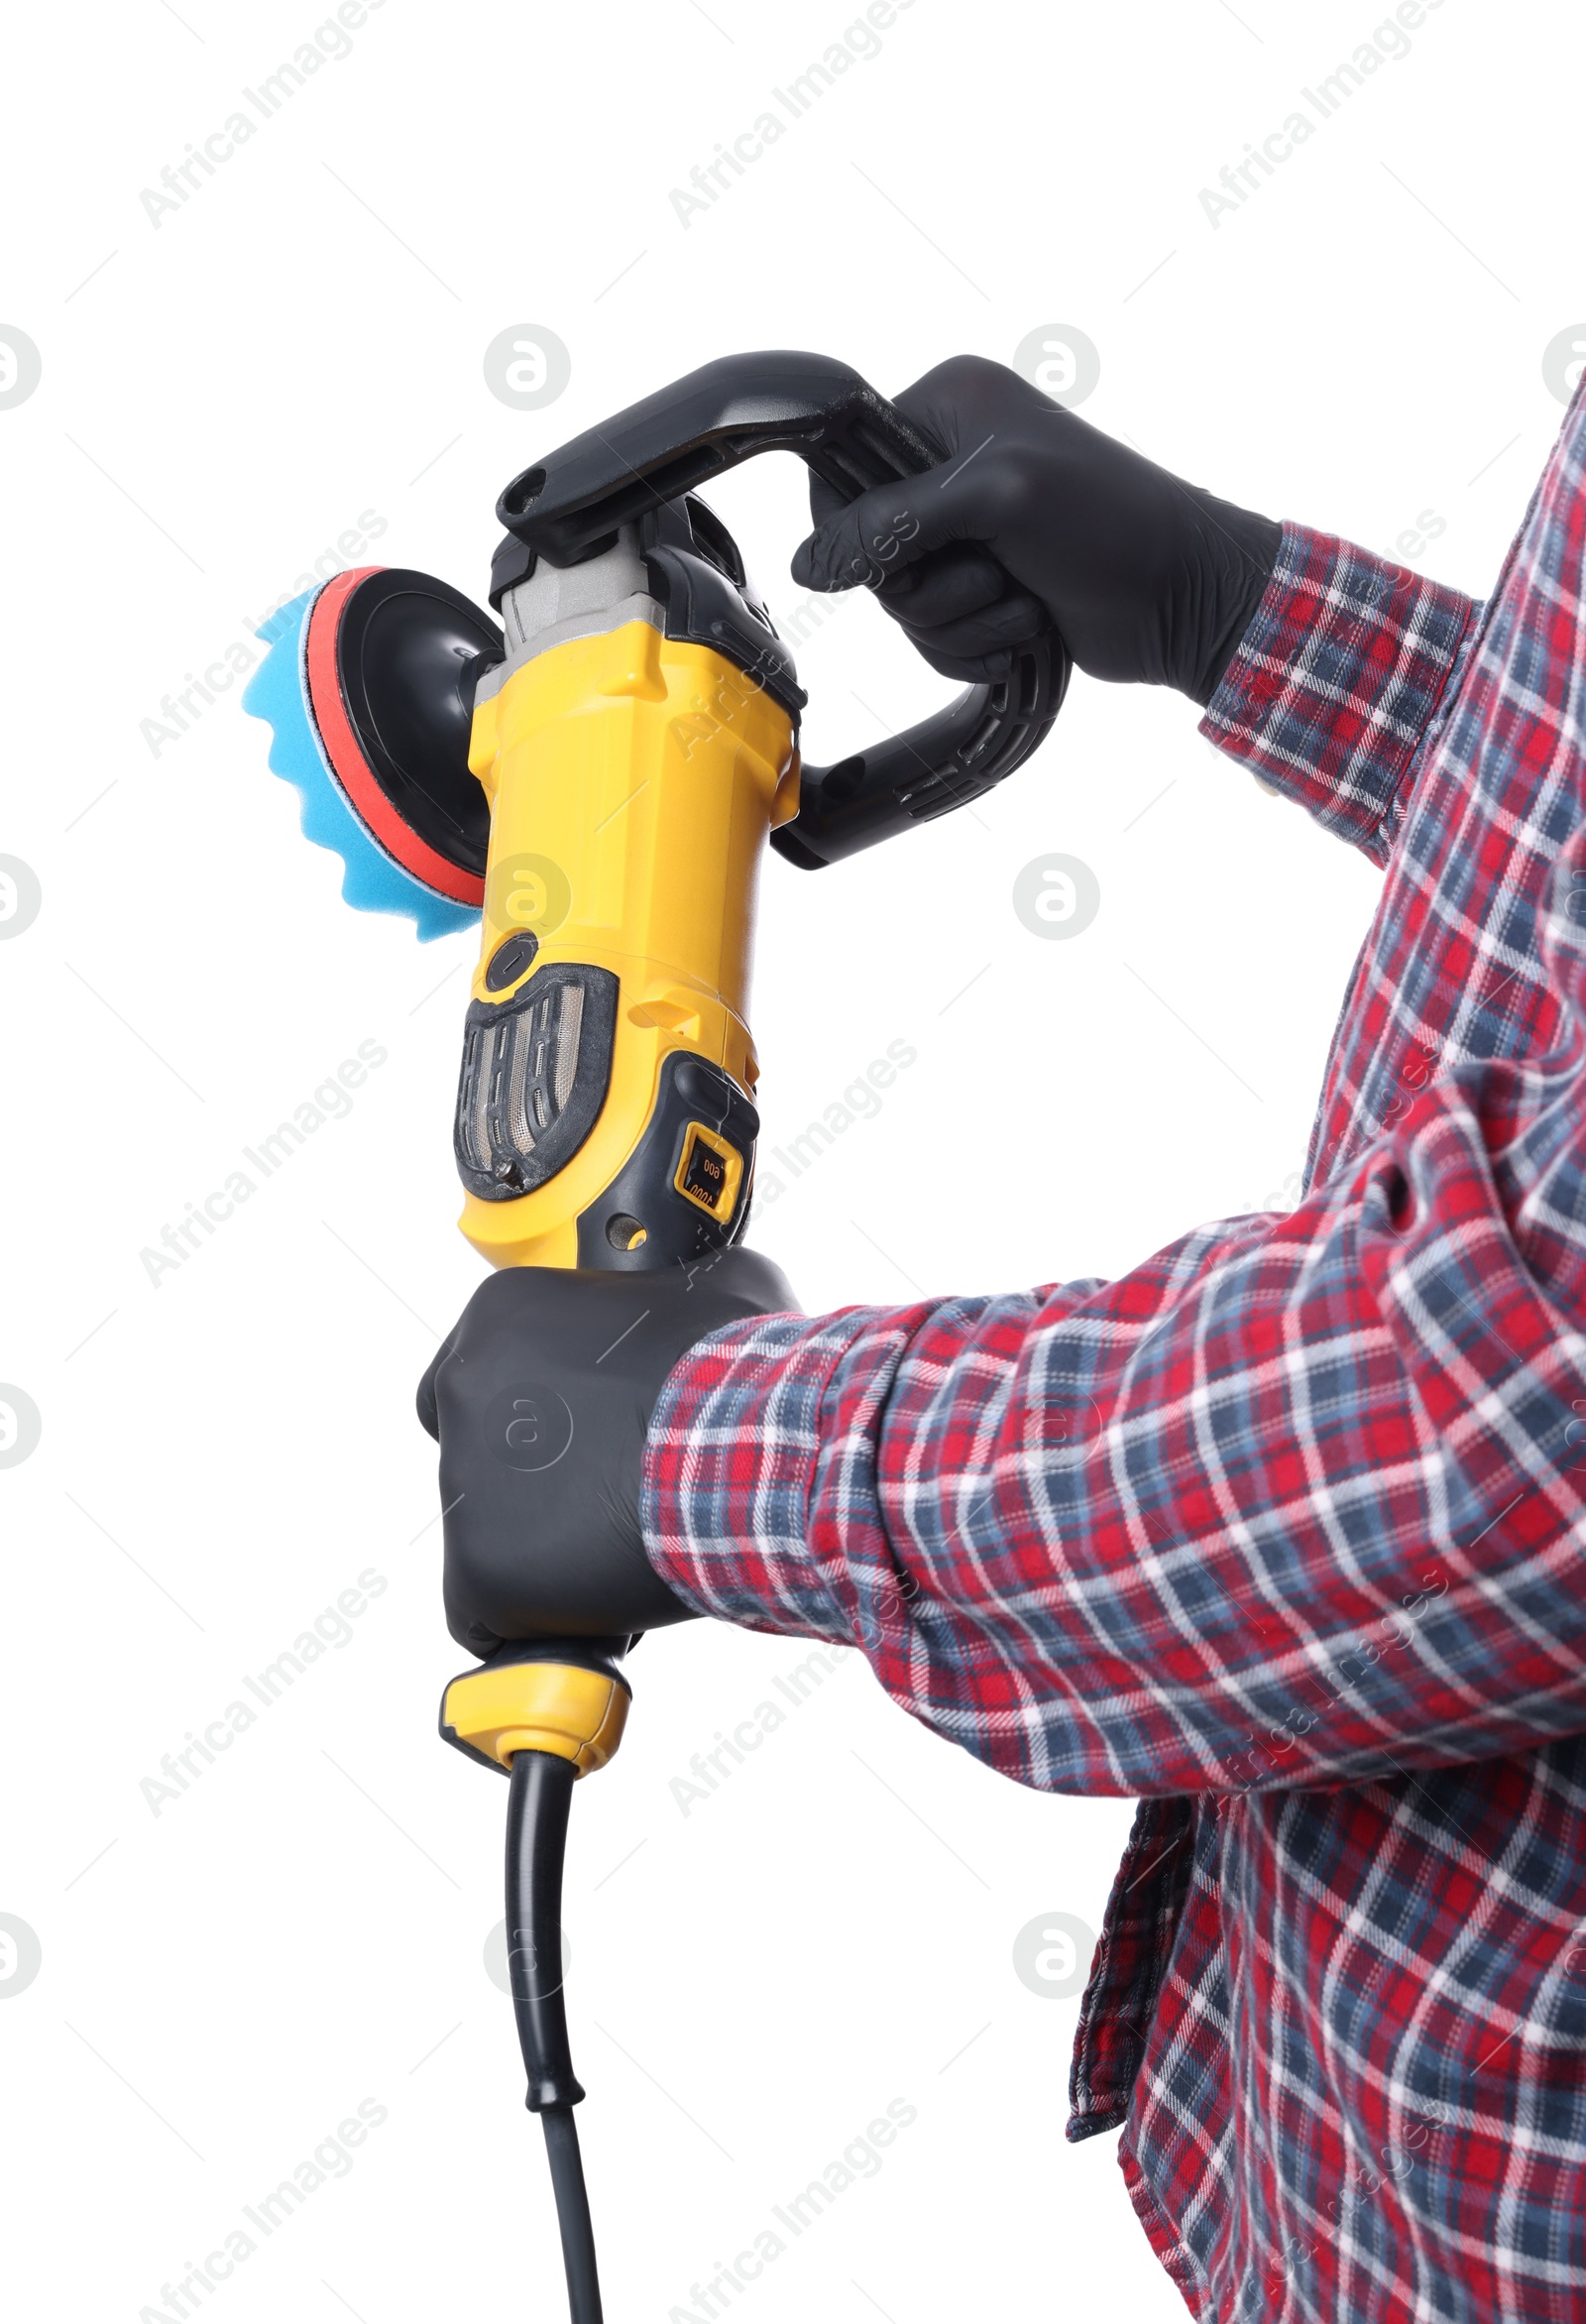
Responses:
[537,1842]
[572,2213]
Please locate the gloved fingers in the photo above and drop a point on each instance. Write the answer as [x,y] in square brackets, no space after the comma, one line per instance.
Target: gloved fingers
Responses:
[944,587]
[1011,622]
[829,500]
[893,527]
[961,399]
[826,501]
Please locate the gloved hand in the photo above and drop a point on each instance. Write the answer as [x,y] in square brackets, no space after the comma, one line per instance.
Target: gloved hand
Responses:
[541,1398]
[1036,520]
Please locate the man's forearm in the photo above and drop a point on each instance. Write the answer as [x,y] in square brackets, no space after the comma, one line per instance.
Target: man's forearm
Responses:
[1231,1521]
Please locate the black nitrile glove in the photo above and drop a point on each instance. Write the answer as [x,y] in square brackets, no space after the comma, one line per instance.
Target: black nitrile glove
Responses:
[1037,520]
[541,1398]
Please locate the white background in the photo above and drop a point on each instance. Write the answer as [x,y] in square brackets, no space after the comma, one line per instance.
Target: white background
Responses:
[222,396]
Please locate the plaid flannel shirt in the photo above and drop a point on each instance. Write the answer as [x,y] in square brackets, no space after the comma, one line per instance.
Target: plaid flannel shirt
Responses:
[1284,1532]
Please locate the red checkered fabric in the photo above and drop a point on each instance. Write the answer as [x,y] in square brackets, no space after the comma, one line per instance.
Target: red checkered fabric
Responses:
[1285,1532]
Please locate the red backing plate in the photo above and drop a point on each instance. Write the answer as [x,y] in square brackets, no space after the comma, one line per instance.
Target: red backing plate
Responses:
[348,764]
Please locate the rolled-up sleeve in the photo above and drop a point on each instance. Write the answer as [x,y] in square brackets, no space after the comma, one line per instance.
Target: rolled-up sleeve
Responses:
[1340,681]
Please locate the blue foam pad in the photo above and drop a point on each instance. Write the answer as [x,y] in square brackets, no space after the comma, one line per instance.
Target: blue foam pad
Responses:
[278,692]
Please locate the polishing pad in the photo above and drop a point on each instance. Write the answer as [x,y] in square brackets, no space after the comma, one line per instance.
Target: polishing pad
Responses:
[367,685]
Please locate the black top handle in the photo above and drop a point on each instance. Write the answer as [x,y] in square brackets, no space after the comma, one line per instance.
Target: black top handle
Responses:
[570,506]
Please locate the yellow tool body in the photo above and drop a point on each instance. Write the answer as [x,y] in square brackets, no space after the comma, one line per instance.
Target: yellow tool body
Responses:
[633,781]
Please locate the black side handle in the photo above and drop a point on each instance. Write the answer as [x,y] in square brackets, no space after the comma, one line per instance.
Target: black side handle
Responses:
[569,507]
